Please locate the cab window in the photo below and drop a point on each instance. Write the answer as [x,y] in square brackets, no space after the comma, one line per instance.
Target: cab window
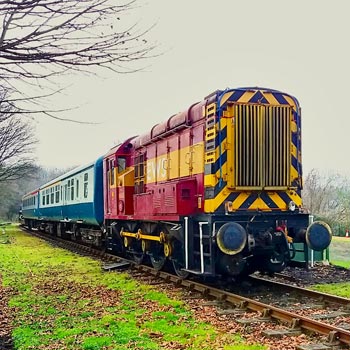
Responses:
[121,164]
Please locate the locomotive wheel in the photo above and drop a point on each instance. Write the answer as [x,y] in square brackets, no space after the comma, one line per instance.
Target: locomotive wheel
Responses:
[178,270]
[136,252]
[275,265]
[178,259]
[75,235]
[158,262]
[277,262]
[138,257]
[158,259]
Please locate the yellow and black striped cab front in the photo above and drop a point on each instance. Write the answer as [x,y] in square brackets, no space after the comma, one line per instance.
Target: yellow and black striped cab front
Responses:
[252,151]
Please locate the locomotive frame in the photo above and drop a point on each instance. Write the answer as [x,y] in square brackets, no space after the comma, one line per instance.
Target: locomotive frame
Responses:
[214,190]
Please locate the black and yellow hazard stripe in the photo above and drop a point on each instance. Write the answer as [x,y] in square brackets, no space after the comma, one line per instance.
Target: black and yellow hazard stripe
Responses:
[223,158]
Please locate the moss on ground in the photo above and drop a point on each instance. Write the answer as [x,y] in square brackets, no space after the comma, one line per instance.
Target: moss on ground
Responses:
[64,301]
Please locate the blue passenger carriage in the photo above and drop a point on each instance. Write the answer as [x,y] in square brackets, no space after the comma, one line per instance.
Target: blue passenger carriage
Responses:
[30,202]
[71,204]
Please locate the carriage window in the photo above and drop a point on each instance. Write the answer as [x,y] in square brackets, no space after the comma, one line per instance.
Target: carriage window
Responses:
[68,191]
[85,190]
[72,190]
[43,198]
[77,192]
[57,191]
[52,195]
[86,181]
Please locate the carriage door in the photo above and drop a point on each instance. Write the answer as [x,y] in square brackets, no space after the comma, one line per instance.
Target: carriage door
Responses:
[111,187]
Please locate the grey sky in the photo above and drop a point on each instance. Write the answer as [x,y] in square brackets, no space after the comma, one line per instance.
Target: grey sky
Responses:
[300,47]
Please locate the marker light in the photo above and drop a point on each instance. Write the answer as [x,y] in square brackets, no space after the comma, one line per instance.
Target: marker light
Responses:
[291,206]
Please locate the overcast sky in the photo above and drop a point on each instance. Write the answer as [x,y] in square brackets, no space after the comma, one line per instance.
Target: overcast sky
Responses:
[299,47]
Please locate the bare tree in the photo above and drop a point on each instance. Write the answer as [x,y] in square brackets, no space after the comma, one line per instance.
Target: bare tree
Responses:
[42,39]
[16,146]
[6,109]
[328,197]
[318,191]
[12,191]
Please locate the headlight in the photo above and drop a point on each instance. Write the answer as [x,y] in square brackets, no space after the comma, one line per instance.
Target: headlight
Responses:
[231,238]
[291,206]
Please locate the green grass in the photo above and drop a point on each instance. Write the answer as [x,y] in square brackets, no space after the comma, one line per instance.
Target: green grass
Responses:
[345,264]
[339,251]
[341,289]
[64,301]
[339,256]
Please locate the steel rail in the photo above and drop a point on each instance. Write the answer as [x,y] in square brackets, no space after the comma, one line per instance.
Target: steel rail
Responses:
[294,320]
[320,296]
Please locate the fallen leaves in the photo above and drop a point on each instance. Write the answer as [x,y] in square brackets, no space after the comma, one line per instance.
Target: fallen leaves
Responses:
[5,318]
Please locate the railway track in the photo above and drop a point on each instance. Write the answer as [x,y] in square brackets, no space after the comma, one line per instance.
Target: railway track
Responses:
[298,309]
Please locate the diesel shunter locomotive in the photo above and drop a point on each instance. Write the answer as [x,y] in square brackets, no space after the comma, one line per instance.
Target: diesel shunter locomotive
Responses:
[214,190]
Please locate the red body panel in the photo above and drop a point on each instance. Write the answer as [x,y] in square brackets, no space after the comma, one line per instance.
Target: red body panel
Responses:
[174,198]
[125,200]
[117,199]
[162,198]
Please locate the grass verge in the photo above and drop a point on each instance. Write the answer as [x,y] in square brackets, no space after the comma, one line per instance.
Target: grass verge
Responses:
[339,256]
[64,301]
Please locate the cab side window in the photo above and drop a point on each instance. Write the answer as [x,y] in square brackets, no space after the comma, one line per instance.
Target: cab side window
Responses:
[121,164]
[111,172]
[139,165]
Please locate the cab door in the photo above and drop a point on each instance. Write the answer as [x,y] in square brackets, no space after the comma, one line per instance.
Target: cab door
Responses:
[111,190]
